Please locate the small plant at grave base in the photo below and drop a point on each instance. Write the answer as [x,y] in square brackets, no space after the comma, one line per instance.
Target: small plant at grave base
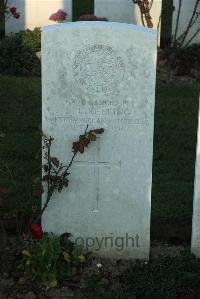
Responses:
[48,258]
[58,16]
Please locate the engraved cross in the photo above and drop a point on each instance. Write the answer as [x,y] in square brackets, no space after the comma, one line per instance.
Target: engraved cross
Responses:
[97,164]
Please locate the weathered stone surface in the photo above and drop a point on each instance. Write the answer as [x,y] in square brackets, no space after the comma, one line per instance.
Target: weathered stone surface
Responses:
[195,244]
[102,74]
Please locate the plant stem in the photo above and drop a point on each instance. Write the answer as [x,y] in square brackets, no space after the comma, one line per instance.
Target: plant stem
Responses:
[51,189]
[158,28]
[193,36]
[177,22]
[49,195]
[151,4]
[74,155]
[190,24]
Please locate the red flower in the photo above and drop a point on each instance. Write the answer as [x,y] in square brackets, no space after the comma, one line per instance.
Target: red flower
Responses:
[13,10]
[36,231]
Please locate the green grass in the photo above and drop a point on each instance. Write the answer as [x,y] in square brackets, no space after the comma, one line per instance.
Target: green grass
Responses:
[163,278]
[174,145]
[20,118]
[176,116]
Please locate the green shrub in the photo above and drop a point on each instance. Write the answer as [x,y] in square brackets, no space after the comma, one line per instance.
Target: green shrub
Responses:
[18,53]
[49,259]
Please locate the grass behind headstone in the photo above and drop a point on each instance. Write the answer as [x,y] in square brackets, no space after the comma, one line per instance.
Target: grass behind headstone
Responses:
[174,145]
[20,118]
[176,115]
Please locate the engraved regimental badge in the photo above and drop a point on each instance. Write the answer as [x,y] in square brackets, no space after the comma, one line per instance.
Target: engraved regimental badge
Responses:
[98,69]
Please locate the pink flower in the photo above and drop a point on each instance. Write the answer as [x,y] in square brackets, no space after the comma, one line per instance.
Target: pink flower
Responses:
[58,16]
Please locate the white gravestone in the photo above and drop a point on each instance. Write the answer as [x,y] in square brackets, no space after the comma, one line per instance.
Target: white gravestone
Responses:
[195,246]
[101,74]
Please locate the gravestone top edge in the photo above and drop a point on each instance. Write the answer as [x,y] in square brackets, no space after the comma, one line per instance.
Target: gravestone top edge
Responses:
[98,24]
